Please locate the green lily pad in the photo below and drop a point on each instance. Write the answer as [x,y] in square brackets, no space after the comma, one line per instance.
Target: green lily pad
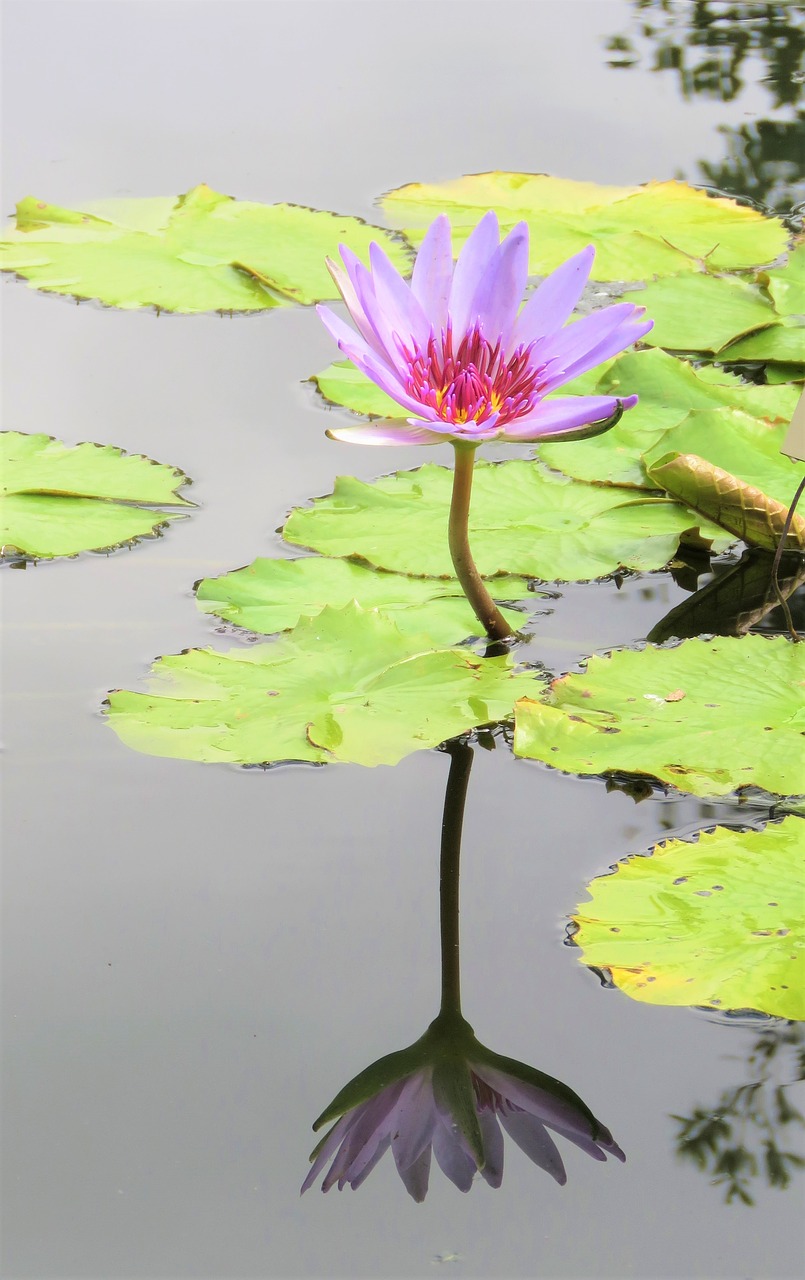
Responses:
[669,389]
[747,447]
[786,372]
[346,685]
[201,252]
[697,312]
[708,716]
[638,232]
[523,520]
[272,595]
[719,922]
[786,284]
[782,343]
[58,499]
[342,384]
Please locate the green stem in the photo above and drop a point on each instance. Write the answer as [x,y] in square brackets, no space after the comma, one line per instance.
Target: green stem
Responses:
[452,821]
[484,607]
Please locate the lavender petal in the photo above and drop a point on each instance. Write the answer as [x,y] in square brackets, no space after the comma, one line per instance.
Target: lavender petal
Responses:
[392,431]
[496,300]
[492,1171]
[562,416]
[415,1177]
[400,309]
[472,263]
[452,1158]
[553,302]
[533,1138]
[433,272]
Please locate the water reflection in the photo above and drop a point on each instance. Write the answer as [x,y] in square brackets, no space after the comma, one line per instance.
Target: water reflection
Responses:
[741,1138]
[740,597]
[708,46]
[447,1094]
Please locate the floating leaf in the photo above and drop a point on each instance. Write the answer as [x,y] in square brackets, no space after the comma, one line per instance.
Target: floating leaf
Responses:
[346,685]
[697,312]
[272,595]
[523,520]
[657,229]
[741,721]
[747,447]
[58,499]
[738,507]
[719,922]
[341,383]
[670,389]
[782,343]
[786,284]
[201,252]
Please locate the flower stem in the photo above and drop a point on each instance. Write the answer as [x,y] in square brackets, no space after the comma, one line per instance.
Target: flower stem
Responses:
[484,607]
[452,821]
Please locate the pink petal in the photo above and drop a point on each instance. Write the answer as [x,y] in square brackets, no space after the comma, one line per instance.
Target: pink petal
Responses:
[500,291]
[472,263]
[553,302]
[433,272]
[388,431]
[533,1138]
[401,310]
[557,418]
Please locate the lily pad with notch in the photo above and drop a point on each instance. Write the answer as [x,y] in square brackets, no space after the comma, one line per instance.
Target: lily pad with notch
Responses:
[58,499]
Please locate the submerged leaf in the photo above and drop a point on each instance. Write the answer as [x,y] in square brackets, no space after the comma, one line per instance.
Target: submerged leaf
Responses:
[741,722]
[345,685]
[721,497]
[657,229]
[272,595]
[523,520]
[719,922]
[201,252]
[58,499]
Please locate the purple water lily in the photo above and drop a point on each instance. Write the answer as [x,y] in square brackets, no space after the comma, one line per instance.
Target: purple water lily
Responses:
[453,1104]
[453,352]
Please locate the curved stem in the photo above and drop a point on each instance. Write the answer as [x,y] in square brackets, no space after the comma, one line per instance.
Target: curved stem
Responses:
[486,611]
[452,821]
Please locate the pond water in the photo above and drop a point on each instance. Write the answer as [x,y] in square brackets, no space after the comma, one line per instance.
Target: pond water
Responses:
[196,958]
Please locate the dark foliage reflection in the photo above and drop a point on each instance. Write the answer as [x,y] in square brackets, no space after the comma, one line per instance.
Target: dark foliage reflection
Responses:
[710,47]
[741,1139]
[447,1094]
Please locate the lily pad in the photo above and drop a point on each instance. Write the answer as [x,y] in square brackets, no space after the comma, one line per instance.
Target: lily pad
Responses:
[786,284]
[657,229]
[346,685]
[58,499]
[341,383]
[719,922]
[670,390]
[523,520]
[698,312]
[708,716]
[272,595]
[782,343]
[201,252]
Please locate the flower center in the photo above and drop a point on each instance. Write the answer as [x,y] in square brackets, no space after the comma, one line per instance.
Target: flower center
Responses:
[474,382]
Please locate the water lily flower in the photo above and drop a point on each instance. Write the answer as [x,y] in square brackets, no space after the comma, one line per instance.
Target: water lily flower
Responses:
[455,351]
[452,350]
[449,1095]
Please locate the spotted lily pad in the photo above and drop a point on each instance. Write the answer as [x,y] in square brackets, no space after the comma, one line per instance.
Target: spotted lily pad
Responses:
[719,922]
[272,595]
[345,685]
[201,252]
[675,397]
[708,716]
[523,520]
[58,499]
[638,232]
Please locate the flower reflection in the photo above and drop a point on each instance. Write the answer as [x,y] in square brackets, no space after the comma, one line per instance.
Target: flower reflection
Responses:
[449,1095]
[454,353]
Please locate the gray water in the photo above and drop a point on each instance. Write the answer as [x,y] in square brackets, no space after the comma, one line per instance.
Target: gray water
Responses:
[196,958]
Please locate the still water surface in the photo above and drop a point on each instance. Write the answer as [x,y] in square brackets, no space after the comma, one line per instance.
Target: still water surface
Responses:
[195,958]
